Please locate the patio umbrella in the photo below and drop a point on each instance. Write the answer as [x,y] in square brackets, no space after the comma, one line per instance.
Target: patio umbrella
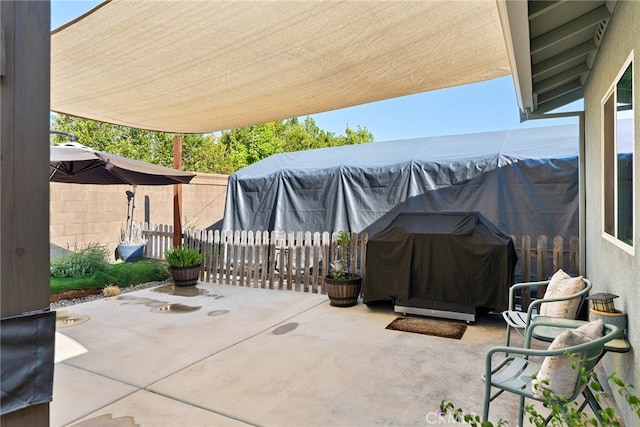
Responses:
[74,163]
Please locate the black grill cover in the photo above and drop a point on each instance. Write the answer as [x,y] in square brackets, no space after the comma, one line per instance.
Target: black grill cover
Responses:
[455,257]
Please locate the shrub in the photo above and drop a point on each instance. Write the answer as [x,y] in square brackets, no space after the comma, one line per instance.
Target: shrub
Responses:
[183,257]
[111,290]
[121,273]
[81,262]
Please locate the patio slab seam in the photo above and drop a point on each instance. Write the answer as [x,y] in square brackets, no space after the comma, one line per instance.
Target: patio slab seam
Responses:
[204,408]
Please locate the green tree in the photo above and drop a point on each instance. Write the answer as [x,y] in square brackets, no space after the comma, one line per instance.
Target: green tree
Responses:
[145,145]
[250,144]
[232,150]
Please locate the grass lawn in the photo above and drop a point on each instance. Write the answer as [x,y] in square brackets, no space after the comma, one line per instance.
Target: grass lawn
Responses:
[121,273]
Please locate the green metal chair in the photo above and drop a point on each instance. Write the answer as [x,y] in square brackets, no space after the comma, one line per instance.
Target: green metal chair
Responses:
[520,320]
[513,373]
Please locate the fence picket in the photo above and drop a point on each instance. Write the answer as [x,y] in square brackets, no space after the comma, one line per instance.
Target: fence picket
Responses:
[289,266]
[263,246]
[249,256]
[242,257]
[558,253]
[326,247]
[307,260]
[282,244]
[229,260]
[237,256]
[542,257]
[216,256]
[271,260]
[207,254]
[574,251]
[317,249]
[300,261]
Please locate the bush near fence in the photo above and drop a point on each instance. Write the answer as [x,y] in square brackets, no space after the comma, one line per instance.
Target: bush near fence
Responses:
[298,261]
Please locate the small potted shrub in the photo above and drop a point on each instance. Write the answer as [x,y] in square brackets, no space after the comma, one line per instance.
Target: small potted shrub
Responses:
[184,265]
[343,286]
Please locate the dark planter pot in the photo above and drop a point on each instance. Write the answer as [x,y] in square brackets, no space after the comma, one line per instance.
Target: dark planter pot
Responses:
[343,293]
[130,253]
[185,276]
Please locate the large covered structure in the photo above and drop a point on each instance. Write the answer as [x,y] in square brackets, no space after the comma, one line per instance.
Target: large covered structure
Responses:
[524,181]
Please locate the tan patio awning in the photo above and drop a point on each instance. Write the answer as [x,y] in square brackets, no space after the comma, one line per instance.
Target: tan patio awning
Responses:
[202,66]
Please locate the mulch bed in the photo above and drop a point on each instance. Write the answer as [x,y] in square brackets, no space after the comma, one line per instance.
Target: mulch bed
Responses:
[74,294]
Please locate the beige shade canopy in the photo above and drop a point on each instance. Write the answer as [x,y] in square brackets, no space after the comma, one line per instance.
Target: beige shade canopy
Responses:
[202,66]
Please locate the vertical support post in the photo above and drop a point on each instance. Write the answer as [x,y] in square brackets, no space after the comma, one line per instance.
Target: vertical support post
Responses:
[582,199]
[177,194]
[24,178]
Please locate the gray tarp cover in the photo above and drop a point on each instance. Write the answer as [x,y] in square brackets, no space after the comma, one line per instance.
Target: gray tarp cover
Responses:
[27,348]
[456,258]
[524,181]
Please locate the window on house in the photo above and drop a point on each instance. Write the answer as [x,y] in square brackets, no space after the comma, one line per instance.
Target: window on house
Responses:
[618,158]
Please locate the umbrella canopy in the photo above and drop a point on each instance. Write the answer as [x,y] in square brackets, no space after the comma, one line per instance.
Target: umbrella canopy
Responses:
[74,163]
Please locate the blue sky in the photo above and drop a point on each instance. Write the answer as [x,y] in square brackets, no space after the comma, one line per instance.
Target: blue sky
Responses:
[479,107]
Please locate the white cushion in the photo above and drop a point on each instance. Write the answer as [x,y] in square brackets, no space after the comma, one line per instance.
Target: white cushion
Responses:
[562,285]
[556,372]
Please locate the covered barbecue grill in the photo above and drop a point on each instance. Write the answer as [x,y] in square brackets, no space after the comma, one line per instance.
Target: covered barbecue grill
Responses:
[443,264]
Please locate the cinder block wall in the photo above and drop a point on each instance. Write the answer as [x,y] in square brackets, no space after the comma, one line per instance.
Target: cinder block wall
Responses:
[82,214]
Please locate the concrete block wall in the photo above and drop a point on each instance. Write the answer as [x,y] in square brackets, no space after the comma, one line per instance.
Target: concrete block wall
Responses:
[82,214]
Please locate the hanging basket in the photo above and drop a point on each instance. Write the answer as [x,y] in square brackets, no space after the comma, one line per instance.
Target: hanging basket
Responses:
[185,276]
[343,292]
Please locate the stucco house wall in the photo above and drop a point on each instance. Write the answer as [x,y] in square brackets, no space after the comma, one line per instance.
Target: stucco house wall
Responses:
[82,214]
[610,267]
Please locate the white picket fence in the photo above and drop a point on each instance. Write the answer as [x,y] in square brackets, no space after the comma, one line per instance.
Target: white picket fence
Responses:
[159,240]
[299,260]
[271,260]
[294,261]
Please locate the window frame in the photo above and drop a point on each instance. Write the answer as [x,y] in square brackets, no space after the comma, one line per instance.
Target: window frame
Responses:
[610,173]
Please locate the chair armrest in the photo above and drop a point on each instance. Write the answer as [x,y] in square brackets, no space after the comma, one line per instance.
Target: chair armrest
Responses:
[514,288]
[611,332]
[537,302]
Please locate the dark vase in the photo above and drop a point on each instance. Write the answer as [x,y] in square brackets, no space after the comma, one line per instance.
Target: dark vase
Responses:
[343,292]
[185,276]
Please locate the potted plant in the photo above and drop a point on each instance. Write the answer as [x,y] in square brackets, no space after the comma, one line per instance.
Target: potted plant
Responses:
[343,286]
[131,241]
[184,265]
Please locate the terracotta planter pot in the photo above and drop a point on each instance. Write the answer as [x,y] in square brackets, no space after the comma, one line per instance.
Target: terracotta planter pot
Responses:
[343,293]
[185,276]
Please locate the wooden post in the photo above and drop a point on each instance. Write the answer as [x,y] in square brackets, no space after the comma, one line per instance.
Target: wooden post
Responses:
[24,180]
[177,194]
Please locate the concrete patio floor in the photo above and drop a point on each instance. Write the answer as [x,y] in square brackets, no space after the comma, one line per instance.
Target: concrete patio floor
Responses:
[233,356]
